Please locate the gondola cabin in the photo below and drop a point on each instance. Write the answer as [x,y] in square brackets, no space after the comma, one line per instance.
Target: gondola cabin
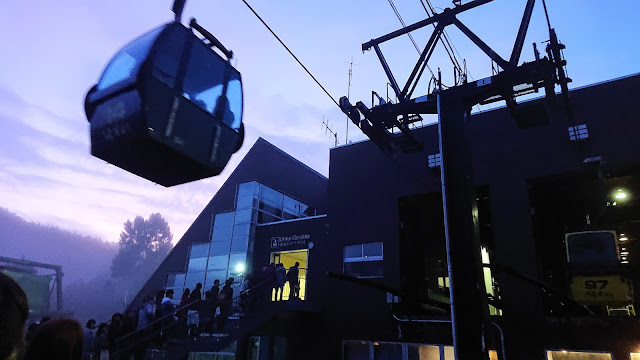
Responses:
[168,107]
[597,275]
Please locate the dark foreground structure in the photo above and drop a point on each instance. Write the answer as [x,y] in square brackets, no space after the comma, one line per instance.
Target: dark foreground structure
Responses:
[370,242]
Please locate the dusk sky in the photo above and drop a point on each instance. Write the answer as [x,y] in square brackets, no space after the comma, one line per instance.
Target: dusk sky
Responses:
[51,52]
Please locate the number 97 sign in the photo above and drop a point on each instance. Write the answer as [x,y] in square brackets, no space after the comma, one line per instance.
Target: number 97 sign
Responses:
[601,290]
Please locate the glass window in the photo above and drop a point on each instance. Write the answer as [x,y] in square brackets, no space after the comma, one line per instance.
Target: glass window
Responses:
[222,233]
[220,247]
[245,202]
[197,264]
[383,351]
[192,279]
[239,244]
[203,82]
[352,251]
[423,352]
[243,216]
[234,98]
[364,269]
[577,355]
[219,262]
[265,218]
[248,188]
[167,55]
[213,275]
[292,205]
[372,249]
[308,210]
[126,63]
[289,215]
[199,250]
[175,280]
[267,194]
[224,219]
[241,230]
[236,259]
[270,208]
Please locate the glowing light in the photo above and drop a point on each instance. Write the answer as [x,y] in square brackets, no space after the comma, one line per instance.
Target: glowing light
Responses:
[620,194]
[625,261]
[624,238]
[240,268]
[624,253]
[564,351]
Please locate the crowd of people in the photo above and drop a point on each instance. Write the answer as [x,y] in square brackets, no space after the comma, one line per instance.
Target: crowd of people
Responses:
[129,335]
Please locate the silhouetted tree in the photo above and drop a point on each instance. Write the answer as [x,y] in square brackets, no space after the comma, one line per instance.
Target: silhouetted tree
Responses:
[143,245]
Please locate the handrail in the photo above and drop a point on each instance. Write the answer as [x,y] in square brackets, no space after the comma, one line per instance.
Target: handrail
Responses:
[151,325]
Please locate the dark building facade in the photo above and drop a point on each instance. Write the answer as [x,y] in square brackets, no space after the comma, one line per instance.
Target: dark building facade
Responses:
[378,219]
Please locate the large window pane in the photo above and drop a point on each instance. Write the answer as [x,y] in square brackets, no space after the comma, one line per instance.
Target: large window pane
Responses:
[243,216]
[192,279]
[222,233]
[199,250]
[234,99]
[288,214]
[197,264]
[223,219]
[352,251]
[236,259]
[175,280]
[292,205]
[265,218]
[248,188]
[364,268]
[213,275]
[168,53]
[204,79]
[372,249]
[218,262]
[387,351]
[241,230]
[270,208]
[220,247]
[267,194]
[245,202]
[423,352]
[125,65]
[239,244]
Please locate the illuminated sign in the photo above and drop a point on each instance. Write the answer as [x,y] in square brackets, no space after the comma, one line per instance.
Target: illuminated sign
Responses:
[601,290]
[284,241]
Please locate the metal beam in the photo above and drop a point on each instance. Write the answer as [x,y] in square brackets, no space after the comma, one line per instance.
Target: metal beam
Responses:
[385,66]
[522,33]
[424,57]
[447,14]
[481,44]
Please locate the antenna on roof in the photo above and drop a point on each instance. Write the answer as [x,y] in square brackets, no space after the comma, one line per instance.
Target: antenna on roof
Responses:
[329,130]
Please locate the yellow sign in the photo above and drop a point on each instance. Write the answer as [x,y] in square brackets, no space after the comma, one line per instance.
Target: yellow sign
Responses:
[601,290]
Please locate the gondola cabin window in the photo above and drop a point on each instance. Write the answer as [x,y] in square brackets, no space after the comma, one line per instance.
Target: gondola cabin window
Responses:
[125,65]
[204,80]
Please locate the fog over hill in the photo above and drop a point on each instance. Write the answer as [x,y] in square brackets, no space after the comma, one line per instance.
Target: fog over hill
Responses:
[81,257]
[88,289]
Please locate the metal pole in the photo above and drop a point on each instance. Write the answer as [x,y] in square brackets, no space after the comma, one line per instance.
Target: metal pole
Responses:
[59,306]
[461,220]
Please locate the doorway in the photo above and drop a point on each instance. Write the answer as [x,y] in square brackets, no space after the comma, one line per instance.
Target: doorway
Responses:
[288,259]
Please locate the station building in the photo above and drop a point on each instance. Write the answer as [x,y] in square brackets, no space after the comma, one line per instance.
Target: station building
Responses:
[378,220]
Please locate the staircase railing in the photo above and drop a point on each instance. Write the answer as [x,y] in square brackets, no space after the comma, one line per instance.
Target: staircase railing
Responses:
[164,326]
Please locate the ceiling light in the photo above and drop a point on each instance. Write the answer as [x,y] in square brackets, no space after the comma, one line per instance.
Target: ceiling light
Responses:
[624,238]
[620,194]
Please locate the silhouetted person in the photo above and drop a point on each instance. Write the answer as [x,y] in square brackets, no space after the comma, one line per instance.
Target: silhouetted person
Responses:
[281,279]
[59,339]
[114,332]
[294,281]
[213,302]
[102,342]
[14,311]
[184,300]
[89,347]
[196,294]
[226,298]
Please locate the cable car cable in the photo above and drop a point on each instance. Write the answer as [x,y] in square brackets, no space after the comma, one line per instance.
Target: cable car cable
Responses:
[292,54]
